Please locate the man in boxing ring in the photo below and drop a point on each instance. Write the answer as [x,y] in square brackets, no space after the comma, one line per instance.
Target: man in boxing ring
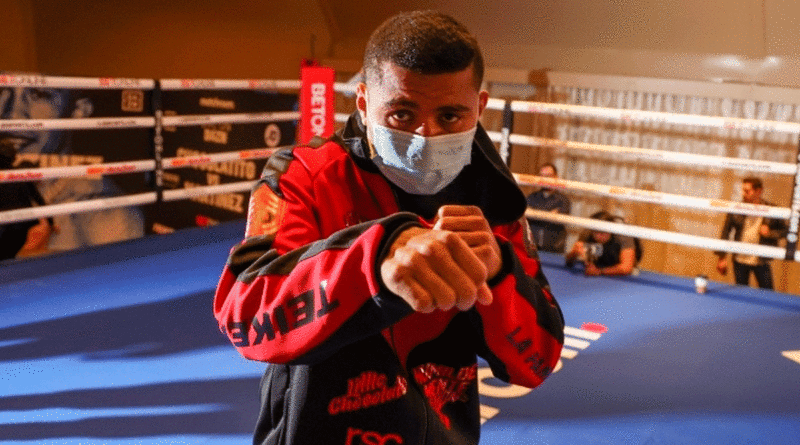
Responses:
[380,263]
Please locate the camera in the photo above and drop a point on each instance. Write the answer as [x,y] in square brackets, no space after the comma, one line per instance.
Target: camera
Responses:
[592,251]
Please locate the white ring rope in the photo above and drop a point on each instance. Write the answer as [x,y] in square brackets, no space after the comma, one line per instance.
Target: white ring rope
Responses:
[668,199]
[75,171]
[90,205]
[118,168]
[228,84]
[663,235]
[103,123]
[244,84]
[83,123]
[671,157]
[79,83]
[628,116]
[233,118]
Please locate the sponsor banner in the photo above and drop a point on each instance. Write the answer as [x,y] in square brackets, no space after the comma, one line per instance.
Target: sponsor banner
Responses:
[213,138]
[316,103]
[113,119]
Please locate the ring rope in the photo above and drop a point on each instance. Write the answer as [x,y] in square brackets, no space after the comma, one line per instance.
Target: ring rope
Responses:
[244,84]
[82,83]
[100,123]
[233,118]
[629,116]
[117,168]
[228,84]
[670,157]
[32,213]
[668,199]
[662,235]
[82,123]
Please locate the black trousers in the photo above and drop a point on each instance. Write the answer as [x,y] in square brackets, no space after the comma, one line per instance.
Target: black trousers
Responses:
[763,273]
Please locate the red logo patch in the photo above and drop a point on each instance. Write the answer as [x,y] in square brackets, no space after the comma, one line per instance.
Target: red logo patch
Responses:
[356,436]
[442,385]
[367,390]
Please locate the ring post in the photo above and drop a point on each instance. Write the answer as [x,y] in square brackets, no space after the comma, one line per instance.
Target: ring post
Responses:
[794,216]
[158,143]
[508,127]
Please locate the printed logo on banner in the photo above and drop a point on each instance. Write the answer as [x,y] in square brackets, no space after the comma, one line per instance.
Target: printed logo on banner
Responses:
[316,103]
[272,135]
[217,134]
[216,102]
[265,213]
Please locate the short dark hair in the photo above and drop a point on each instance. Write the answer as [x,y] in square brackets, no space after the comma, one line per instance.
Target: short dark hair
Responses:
[754,182]
[425,42]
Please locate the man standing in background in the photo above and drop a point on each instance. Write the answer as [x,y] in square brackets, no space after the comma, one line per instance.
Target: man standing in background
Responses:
[751,229]
[549,237]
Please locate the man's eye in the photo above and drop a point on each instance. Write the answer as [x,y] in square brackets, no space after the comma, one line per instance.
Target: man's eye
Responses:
[402,116]
[449,118]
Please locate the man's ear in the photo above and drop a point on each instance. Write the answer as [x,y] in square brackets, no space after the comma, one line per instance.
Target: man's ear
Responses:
[361,100]
[483,99]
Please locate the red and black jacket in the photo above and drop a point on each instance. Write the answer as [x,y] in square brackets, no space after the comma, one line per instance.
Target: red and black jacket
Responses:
[350,362]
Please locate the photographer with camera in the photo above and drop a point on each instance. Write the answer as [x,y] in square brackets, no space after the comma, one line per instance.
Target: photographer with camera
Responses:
[603,253]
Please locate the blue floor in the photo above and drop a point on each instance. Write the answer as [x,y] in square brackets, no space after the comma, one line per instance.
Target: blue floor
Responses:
[117,345]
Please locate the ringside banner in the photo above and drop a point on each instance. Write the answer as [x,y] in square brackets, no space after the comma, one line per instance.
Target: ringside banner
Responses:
[92,118]
[316,102]
[211,136]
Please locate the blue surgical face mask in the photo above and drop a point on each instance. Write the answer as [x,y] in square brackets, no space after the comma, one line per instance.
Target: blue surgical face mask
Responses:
[417,164]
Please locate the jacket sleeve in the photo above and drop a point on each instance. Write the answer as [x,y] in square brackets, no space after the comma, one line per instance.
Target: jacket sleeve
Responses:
[725,234]
[523,328]
[778,229]
[287,295]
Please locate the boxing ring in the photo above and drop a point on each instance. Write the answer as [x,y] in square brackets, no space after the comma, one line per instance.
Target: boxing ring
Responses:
[117,344]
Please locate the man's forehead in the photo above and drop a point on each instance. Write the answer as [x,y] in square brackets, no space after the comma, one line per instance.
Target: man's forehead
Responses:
[398,87]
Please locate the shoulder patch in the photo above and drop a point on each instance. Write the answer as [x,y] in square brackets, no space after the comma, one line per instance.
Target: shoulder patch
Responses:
[265,213]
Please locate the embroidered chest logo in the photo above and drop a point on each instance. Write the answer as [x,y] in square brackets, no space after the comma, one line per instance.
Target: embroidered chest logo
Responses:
[367,390]
[443,384]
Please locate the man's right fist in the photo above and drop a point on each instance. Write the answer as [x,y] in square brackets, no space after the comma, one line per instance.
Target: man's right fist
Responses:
[435,269]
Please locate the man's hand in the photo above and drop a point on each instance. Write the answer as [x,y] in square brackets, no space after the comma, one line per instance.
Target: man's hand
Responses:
[37,238]
[435,269]
[470,224]
[591,270]
[722,266]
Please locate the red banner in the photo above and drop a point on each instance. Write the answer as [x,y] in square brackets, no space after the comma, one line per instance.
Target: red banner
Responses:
[316,102]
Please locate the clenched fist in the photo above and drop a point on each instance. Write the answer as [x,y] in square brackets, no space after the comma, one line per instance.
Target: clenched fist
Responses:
[437,269]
